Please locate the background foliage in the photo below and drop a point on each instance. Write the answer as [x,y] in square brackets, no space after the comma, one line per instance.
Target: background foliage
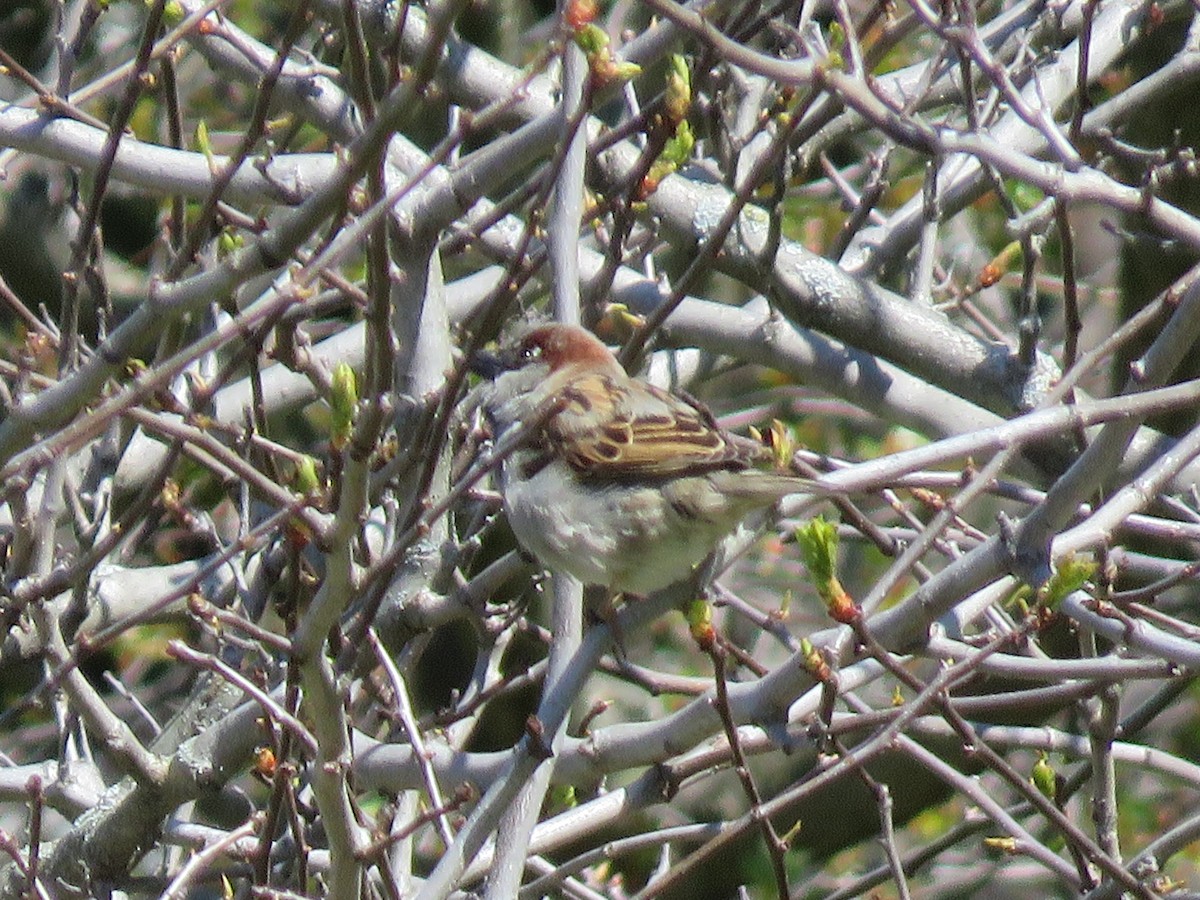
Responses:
[266,632]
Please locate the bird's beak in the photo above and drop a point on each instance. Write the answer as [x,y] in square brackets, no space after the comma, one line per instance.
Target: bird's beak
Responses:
[489,364]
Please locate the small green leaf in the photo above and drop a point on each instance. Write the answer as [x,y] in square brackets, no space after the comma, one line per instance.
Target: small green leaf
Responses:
[818,545]
[1070,574]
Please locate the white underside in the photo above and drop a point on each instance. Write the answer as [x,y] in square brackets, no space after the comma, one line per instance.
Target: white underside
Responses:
[622,536]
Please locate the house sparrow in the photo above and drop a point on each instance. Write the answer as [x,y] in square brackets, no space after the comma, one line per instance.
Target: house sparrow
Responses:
[619,484]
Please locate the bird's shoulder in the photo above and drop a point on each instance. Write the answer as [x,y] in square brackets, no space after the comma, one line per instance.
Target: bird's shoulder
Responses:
[612,427]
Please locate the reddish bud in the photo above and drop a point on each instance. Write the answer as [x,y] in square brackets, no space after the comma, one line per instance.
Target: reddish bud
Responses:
[580,13]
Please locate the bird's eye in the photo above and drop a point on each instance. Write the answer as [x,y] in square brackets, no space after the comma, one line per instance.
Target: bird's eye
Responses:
[531,351]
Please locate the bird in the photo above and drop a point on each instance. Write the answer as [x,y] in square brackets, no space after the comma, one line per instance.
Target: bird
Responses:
[618,483]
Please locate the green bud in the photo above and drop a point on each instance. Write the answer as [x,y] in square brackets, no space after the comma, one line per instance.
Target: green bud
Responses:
[343,401]
[307,480]
[678,150]
[678,97]
[203,144]
[173,12]
[624,71]
[700,624]
[1043,777]
[228,241]
[591,39]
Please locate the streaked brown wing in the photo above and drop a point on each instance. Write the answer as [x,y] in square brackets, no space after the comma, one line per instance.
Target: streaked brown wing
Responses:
[659,435]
